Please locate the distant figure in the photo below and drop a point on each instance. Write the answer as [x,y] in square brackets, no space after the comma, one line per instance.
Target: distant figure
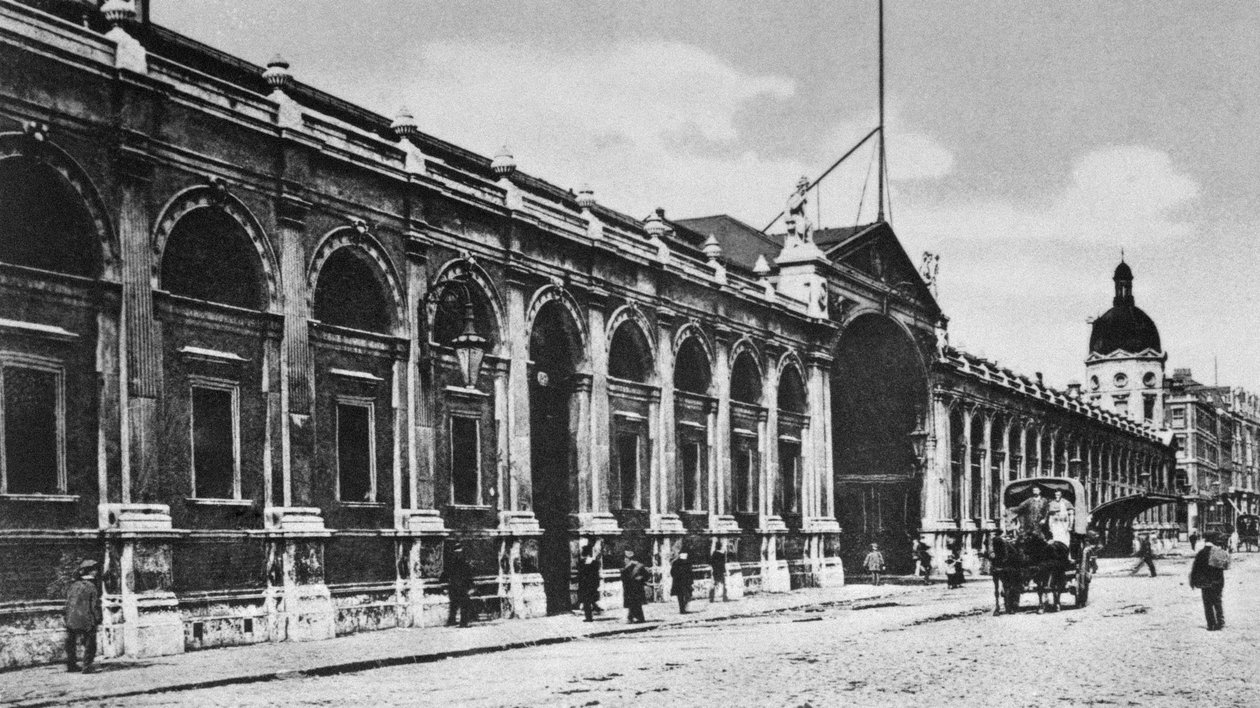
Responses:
[681,577]
[633,576]
[954,568]
[1208,575]
[588,582]
[1233,541]
[1146,556]
[717,561]
[1031,514]
[1194,539]
[923,561]
[83,616]
[1060,516]
[459,584]
[874,563]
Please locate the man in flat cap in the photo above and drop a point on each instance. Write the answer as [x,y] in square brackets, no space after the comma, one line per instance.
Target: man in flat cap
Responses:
[83,616]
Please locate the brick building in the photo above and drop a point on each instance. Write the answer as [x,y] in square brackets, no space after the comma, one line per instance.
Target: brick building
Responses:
[264,354]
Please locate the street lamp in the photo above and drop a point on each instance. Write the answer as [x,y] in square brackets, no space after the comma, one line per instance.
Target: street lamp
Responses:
[470,347]
[918,444]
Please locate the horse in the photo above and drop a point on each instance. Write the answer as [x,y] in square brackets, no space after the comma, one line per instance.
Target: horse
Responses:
[1015,561]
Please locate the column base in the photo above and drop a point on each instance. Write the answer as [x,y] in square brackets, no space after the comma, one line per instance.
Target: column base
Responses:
[519,523]
[598,523]
[420,521]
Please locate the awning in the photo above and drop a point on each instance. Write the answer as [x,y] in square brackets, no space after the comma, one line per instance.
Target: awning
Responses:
[1125,509]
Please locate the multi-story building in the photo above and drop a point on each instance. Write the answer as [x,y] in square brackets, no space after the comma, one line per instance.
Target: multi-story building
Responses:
[264,354]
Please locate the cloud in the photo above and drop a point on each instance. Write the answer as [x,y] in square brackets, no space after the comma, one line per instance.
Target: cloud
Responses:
[646,124]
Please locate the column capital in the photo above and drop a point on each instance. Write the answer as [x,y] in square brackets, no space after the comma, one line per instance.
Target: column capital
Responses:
[292,210]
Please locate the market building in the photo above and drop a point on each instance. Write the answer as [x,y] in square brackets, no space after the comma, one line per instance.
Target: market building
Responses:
[266,354]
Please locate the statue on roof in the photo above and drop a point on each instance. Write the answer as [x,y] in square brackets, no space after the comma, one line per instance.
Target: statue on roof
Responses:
[798,224]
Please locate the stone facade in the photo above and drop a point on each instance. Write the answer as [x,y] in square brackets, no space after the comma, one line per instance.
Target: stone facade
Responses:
[277,353]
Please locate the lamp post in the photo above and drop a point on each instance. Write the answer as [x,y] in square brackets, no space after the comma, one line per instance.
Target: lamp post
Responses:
[918,444]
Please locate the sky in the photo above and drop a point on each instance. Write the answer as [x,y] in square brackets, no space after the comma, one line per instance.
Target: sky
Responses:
[1029,143]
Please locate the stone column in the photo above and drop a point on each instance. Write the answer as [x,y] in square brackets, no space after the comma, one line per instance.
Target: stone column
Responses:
[964,494]
[824,566]
[986,470]
[516,511]
[666,490]
[594,420]
[297,396]
[722,503]
[936,481]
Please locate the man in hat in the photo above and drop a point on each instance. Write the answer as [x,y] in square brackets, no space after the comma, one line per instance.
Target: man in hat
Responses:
[1207,574]
[1032,513]
[633,577]
[681,577]
[83,616]
[459,584]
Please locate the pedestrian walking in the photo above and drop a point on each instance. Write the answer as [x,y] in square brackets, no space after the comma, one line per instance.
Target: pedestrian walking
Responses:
[717,561]
[874,563]
[954,568]
[459,584]
[1194,538]
[83,616]
[588,582]
[923,561]
[1208,575]
[681,576]
[1145,555]
[633,576]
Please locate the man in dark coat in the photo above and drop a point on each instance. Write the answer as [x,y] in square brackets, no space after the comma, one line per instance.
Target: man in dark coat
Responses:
[680,574]
[1208,575]
[459,583]
[633,576]
[717,561]
[83,616]
[588,581]
[1032,513]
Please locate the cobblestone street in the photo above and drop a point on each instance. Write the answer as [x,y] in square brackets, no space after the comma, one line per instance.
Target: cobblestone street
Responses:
[1141,641]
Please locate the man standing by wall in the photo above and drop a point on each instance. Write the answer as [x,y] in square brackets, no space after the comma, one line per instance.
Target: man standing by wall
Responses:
[459,583]
[680,573]
[83,616]
[633,576]
[717,561]
[1208,575]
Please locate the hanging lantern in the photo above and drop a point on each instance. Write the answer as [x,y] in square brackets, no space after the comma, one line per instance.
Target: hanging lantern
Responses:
[470,347]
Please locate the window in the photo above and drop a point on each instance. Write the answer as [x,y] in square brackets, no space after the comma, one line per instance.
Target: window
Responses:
[1121,380]
[1179,417]
[1180,441]
[694,480]
[33,460]
[1149,379]
[1148,407]
[744,473]
[215,447]
[628,469]
[465,460]
[1093,383]
[1122,405]
[356,458]
[789,477]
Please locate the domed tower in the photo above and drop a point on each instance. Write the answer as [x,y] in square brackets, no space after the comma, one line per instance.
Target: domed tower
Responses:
[1125,367]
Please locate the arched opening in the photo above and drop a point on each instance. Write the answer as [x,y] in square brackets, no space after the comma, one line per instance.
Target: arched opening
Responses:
[1014,450]
[349,293]
[975,466]
[629,355]
[879,395]
[554,350]
[957,461]
[691,368]
[44,223]
[208,256]
[793,408]
[746,379]
[746,417]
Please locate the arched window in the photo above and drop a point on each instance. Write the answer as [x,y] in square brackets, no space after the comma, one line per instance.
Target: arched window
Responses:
[43,221]
[208,256]
[629,356]
[691,367]
[349,293]
[745,379]
[791,391]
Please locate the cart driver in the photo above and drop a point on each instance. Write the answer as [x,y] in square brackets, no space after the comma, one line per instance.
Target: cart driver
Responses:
[1032,513]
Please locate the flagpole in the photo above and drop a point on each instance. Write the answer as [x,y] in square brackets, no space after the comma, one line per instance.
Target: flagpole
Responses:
[882,167]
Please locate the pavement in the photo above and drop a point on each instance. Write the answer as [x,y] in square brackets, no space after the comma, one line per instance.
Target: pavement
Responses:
[126,677]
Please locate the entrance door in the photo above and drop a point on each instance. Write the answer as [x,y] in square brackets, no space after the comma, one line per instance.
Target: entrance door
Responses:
[883,513]
[551,456]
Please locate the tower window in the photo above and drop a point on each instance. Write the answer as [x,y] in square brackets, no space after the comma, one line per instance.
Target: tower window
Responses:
[1121,380]
[1149,379]
[1148,407]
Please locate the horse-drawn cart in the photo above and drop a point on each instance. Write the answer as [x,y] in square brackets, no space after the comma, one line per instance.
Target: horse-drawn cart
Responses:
[1051,555]
[1248,532]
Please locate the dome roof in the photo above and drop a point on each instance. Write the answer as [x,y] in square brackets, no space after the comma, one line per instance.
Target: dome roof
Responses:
[1124,327]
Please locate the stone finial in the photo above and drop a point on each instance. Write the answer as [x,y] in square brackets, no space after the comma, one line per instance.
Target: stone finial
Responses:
[404,124]
[503,163]
[277,73]
[712,248]
[586,197]
[120,12]
[761,268]
[654,225]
